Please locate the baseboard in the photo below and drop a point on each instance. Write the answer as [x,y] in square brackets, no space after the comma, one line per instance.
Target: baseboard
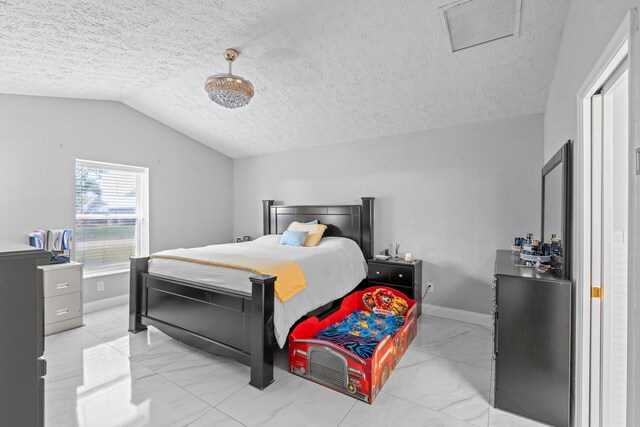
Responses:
[101,304]
[456,314]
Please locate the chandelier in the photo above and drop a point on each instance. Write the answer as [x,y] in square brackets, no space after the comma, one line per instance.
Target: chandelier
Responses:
[229,90]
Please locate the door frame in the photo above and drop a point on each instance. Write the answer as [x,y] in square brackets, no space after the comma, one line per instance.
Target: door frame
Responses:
[624,43]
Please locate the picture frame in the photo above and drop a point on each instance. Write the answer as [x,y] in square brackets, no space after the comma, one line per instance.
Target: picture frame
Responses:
[238,239]
[246,239]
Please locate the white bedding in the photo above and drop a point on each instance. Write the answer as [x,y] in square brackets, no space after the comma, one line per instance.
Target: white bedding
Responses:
[332,269]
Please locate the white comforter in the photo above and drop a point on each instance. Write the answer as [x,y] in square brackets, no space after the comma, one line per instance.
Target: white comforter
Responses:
[332,269]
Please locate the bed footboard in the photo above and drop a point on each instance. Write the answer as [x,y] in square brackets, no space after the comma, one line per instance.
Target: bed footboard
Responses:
[214,321]
[262,330]
[139,265]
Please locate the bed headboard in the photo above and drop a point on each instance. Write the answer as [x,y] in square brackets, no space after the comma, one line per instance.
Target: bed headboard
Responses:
[352,221]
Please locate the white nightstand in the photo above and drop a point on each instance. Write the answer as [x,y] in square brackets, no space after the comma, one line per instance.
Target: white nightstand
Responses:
[62,296]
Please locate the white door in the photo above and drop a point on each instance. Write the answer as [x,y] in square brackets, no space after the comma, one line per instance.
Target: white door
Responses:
[609,249]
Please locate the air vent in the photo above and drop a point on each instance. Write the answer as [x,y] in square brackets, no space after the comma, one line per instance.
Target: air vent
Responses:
[473,22]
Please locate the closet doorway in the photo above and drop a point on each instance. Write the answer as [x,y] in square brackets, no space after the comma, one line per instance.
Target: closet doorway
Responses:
[609,248]
[605,223]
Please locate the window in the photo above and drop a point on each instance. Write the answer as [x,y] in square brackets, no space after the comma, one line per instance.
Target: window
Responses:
[112,220]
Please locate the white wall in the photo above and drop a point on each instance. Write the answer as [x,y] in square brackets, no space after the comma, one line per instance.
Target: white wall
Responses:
[450,196]
[189,184]
[589,27]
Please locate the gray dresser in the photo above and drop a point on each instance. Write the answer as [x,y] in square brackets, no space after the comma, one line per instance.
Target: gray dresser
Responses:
[532,342]
[22,336]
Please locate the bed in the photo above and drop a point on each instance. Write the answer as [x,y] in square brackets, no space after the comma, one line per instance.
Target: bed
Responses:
[233,313]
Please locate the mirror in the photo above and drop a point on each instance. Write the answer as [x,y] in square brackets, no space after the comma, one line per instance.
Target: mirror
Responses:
[552,204]
[556,208]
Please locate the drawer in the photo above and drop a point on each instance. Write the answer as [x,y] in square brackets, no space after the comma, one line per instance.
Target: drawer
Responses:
[62,307]
[401,276]
[62,281]
[378,272]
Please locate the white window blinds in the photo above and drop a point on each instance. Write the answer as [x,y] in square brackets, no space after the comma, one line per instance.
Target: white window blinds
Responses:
[111,215]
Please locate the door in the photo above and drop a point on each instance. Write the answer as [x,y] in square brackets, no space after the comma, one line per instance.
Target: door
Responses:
[609,249]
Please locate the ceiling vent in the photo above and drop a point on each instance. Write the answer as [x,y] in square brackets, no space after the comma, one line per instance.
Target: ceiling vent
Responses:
[473,22]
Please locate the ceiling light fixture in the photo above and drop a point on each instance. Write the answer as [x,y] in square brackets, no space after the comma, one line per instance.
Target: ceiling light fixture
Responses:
[229,90]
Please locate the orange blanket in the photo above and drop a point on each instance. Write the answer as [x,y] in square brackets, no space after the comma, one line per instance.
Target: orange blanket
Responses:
[290,278]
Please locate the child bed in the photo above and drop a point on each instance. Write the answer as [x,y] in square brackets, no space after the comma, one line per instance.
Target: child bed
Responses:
[354,350]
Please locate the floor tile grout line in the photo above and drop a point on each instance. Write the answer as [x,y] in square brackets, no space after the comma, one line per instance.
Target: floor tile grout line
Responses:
[451,328]
[474,332]
[182,388]
[431,409]
[229,397]
[213,408]
[450,359]
[104,393]
[62,413]
[154,373]
[234,419]
[193,421]
[132,380]
[345,415]
[129,385]
[157,372]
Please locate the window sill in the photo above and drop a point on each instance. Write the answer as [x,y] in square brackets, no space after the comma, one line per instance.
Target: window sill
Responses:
[104,273]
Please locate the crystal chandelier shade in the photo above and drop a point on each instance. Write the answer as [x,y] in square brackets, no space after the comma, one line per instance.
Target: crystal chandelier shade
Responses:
[227,89]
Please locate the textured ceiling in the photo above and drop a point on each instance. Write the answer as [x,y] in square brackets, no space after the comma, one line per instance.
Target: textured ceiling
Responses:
[324,72]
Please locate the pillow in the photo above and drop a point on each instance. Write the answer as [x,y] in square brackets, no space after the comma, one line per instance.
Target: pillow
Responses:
[294,238]
[315,232]
[315,221]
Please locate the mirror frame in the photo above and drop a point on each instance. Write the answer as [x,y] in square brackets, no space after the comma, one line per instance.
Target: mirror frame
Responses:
[561,159]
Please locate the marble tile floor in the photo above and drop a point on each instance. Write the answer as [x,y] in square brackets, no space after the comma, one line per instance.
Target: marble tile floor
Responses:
[100,375]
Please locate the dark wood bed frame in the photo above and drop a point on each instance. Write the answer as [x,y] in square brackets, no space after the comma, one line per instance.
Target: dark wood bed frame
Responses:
[229,323]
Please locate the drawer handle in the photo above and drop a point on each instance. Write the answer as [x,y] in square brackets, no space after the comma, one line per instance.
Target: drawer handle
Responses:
[62,311]
[400,276]
[62,285]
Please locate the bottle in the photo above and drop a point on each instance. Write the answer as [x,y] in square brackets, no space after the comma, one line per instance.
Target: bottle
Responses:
[555,245]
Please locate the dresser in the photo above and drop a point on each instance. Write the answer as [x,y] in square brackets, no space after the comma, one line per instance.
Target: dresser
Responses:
[62,296]
[22,366]
[396,273]
[532,341]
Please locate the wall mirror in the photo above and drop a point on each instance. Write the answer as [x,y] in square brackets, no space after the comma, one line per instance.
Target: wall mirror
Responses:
[556,207]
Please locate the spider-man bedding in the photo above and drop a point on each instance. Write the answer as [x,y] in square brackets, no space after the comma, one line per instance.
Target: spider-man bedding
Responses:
[355,349]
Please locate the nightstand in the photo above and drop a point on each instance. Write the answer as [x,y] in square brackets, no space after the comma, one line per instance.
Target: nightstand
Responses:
[62,285]
[398,274]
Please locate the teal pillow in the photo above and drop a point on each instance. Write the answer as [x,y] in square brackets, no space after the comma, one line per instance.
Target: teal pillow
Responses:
[315,221]
[294,238]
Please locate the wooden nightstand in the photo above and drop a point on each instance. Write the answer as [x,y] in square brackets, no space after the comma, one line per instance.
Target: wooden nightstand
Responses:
[398,274]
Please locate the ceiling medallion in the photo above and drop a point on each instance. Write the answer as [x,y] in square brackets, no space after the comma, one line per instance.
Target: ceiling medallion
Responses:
[229,90]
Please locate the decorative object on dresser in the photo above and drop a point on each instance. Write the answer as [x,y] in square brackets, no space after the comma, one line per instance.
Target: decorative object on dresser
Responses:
[532,341]
[22,335]
[62,296]
[405,276]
